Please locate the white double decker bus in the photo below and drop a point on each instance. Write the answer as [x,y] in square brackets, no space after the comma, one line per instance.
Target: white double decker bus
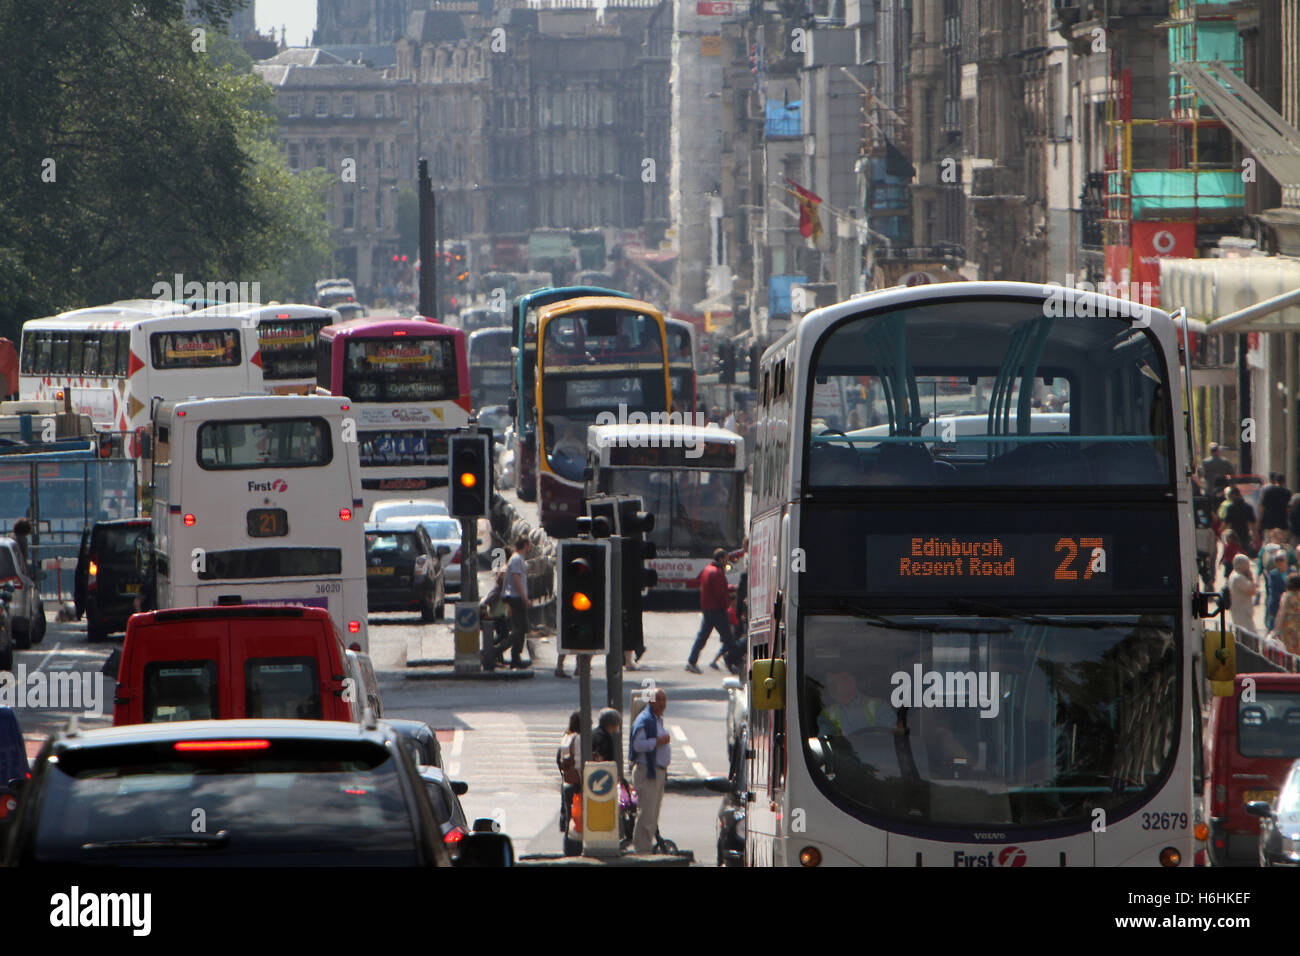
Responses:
[973,646]
[113,360]
[691,479]
[286,341]
[257,500]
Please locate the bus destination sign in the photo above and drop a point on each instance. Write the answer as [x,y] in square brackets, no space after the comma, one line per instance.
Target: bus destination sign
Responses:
[993,562]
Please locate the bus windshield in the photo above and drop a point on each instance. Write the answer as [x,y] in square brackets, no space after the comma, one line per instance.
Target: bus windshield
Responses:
[400,370]
[288,347]
[695,511]
[988,393]
[975,721]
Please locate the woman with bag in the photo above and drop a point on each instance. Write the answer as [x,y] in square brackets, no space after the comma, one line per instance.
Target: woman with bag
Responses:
[569,759]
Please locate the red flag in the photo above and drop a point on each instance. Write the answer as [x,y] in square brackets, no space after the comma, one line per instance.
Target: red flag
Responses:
[810,224]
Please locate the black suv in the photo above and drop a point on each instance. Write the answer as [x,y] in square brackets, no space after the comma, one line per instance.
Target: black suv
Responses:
[403,572]
[108,574]
[274,793]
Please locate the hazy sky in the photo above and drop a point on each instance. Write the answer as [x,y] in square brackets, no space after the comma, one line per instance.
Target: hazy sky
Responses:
[298,16]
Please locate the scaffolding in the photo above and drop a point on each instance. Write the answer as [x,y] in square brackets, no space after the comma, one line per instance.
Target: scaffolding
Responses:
[1195,185]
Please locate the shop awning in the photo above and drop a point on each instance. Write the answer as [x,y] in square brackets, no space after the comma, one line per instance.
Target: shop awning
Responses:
[1232,295]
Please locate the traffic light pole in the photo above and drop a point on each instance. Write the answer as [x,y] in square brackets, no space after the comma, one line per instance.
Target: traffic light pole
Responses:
[614,659]
[584,704]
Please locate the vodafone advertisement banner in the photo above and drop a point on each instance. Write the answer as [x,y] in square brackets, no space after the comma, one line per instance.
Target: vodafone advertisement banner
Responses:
[1153,241]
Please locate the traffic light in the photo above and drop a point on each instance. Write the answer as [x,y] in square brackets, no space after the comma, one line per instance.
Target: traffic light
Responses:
[470,477]
[582,617]
[634,524]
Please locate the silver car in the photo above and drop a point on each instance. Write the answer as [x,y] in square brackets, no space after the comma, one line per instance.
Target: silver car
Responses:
[406,508]
[26,607]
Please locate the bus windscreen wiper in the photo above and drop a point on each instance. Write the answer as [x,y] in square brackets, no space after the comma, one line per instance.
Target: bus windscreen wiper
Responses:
[997,610]
[184,841]
[928,628]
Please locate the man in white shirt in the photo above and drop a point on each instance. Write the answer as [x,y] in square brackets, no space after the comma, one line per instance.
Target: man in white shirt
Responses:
[515,594]
[652,753]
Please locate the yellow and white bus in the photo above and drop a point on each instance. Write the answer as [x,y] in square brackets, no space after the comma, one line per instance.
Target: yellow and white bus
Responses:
[257,500]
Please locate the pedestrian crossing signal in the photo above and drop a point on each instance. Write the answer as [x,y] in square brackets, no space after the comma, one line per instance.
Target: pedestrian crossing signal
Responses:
[584,592]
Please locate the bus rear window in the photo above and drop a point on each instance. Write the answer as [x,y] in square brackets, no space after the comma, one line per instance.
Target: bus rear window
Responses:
[209,348]
[271,563]
[180,690]
[288,347]
[287,687]
[268,443]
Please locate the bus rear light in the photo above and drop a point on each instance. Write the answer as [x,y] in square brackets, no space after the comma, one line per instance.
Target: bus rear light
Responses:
[345,514]
[189,521]
[1202,832]
[1170,857]
[16,581]
[354,627]
[346,407]
[810,856]
[180,413]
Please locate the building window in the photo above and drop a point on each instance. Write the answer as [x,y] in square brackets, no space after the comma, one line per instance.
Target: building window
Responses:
[295,106]
[379,158]
[379,210]
[295,155]
[320,157]
[322,106]
[349,105]
[349,209]
[379,105]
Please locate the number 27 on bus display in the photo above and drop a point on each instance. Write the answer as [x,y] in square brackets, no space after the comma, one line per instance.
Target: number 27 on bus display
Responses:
[1069,549]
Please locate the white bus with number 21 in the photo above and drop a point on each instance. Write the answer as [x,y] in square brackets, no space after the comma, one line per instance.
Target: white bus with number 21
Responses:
[257,500]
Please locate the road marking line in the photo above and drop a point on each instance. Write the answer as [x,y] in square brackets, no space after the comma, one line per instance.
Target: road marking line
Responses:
[457,741]
[46,659]
[679,733]
[700,768]
[690,752]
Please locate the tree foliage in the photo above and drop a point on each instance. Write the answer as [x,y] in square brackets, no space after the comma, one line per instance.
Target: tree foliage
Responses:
[130,155]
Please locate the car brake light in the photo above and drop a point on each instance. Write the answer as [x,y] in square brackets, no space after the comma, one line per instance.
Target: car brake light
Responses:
[355,793]
[94,569]
[354,627]
[345,514]
[454,835]
[187,746]
[189,521]
[456,559]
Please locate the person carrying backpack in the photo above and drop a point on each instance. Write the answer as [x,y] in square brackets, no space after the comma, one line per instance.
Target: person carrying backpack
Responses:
[569,759]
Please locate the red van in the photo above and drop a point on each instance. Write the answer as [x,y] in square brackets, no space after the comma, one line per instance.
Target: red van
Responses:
[1249,747]
[230,662]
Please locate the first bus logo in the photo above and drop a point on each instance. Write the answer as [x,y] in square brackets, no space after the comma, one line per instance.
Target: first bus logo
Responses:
[1007,856]
[278,485]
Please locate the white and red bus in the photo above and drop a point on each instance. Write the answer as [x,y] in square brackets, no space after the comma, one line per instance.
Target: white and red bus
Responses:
[409,384]
[286,339]
[114,359]
[691,479]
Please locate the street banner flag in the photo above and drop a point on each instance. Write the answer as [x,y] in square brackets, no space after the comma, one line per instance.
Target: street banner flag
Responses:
[810,224]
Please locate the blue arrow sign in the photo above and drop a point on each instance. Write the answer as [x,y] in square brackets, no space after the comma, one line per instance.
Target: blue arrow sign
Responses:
[466,617]
[600,783]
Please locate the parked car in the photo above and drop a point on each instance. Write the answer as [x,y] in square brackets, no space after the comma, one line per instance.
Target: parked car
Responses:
[274,793]
[404,571]
[1249,749]
[420,740]
[26,607]
[13,764]
[1279,830]
[734,808]
[406,508]
[445,534]
[231,662]
[445,795]
[108,577]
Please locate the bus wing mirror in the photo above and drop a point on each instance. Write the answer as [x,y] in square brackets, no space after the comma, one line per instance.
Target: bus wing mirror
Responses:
[588,473]
[767,685]
[1220,662]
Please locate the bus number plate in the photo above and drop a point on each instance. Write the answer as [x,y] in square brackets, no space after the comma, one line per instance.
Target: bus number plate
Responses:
[268,523]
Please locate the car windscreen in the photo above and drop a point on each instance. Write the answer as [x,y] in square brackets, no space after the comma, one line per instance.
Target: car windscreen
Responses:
[1269,726]
[286,802]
